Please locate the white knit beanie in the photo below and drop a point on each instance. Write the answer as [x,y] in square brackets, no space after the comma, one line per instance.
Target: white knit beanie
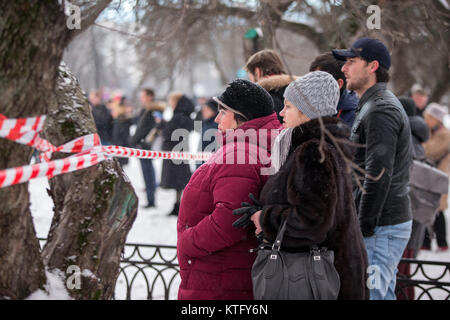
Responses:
[437,111]
[316,93]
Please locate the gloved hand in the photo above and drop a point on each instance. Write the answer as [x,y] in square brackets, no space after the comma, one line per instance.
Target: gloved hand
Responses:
[246,211]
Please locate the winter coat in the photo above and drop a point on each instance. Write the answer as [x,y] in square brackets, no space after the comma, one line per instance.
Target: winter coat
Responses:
[214,257]
[145,124]
[382,125]
[420,134]
[207,138]
[276,85]
[347,106]
[176,175]
[104,122]
[317,200]
[121,134]
[437,148]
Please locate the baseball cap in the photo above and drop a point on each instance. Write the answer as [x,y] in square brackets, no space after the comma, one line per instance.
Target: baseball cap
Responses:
[367,48]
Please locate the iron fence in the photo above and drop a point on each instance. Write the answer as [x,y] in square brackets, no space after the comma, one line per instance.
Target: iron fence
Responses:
[152,272]
[427,280]
[148,272]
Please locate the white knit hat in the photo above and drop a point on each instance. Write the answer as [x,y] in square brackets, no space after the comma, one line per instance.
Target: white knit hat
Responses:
[316,93]
[437,111]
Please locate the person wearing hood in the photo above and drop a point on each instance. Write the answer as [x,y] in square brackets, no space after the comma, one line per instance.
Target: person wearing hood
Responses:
[348,101]
[313,193]
[419,129]
[176,173]
[214,258]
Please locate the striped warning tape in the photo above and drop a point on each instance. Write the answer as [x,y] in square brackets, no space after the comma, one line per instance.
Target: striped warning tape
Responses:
[88,152]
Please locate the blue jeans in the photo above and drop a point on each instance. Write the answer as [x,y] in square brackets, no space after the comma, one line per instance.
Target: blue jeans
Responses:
[150,180]
[384,251]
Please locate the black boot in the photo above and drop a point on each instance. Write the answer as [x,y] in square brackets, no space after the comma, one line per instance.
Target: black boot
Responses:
[175,209]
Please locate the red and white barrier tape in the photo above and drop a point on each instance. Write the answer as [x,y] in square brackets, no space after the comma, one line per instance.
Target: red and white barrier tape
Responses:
[88,151]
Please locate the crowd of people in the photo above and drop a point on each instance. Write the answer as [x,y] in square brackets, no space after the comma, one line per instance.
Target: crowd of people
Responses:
[341,146]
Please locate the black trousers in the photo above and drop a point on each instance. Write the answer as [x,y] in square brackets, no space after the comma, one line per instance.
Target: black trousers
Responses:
[439,229]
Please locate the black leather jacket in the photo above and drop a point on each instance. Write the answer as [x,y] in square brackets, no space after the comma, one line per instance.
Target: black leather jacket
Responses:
[382,125]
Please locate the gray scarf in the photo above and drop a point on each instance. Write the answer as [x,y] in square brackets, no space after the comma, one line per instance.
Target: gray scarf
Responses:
[281,148]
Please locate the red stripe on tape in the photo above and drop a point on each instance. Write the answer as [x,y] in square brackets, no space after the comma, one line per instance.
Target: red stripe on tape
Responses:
[80,163]
[51,168]
[35,168]
[66,165]
[19,174]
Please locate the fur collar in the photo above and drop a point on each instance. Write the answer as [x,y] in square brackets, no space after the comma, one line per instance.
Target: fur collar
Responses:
[276,81]
[156,106]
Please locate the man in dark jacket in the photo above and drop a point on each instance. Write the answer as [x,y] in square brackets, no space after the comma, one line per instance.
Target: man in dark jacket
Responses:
[149,117]
[347,100]
[266,69]
[102,117]
[382,125]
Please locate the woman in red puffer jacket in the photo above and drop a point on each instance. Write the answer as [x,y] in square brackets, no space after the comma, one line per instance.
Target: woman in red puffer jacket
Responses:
[214,257]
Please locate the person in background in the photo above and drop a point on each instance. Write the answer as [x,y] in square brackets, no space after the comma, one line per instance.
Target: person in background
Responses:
[266,69]
[149,117]
[209,126]
[121,125]
[420,97]
[102,117]
[382,131]
[437,149]
[348,101]
[215,262]
[176,175]
[420,134]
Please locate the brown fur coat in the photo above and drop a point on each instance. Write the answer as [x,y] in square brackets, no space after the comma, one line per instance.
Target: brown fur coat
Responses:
[317,200]
[437,148]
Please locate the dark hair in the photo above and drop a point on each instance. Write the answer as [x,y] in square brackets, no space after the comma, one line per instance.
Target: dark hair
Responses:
[381,74]
[149,92]
[328,63]
[267,60]
[237,117]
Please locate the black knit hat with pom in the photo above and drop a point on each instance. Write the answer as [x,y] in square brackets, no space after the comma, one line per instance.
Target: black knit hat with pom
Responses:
[247,98]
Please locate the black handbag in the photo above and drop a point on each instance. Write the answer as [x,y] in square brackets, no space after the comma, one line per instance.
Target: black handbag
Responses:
[281,275]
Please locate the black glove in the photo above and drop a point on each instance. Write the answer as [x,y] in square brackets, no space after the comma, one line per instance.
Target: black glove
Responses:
[247,210]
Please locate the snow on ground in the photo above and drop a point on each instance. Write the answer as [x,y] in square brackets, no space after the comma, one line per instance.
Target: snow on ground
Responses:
[55,288]
[153,226]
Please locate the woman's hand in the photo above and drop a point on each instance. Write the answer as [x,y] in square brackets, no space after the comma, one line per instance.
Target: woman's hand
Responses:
[255,219]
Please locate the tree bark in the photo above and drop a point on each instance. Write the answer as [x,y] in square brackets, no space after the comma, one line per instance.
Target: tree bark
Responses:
[94,208]
[31,43]
[94,213]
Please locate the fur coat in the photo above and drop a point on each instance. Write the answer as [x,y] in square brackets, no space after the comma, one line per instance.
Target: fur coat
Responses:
[437,148]
[316,198]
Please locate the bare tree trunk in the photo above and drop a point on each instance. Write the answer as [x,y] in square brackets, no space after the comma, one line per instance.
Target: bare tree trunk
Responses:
[33,36]
[94,207]
[30,47]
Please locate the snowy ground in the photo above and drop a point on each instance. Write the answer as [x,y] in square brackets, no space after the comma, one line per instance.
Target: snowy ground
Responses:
[153,226]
